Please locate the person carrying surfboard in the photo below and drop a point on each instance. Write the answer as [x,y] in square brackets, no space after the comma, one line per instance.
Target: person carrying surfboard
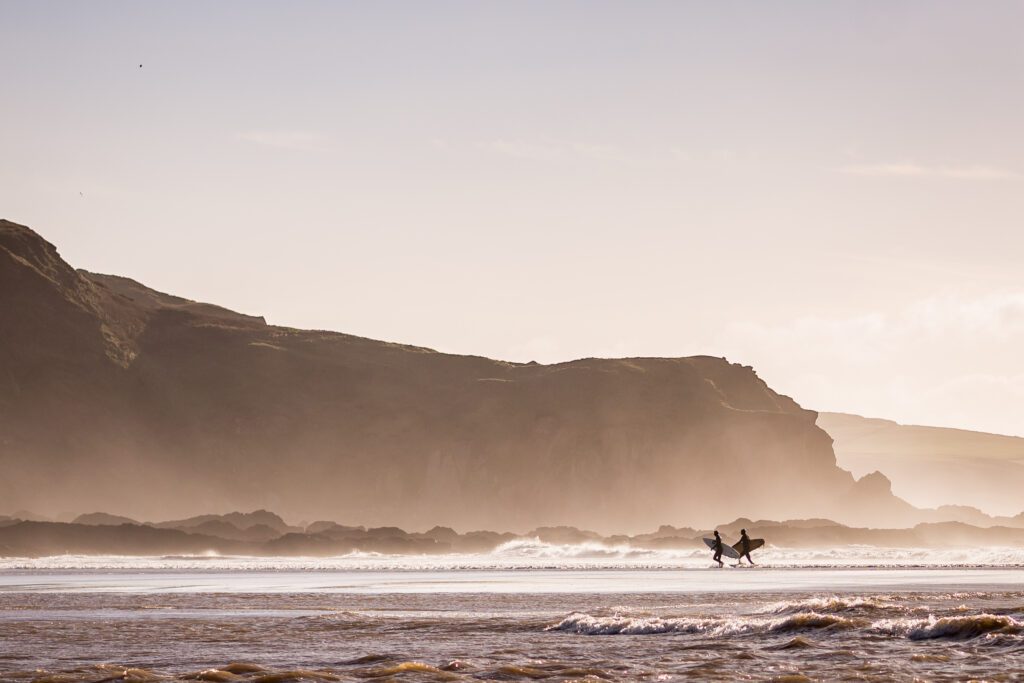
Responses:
[717,547]
[744,546]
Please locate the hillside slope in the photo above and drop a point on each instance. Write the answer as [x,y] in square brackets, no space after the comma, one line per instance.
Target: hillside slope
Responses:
[930,466]
[117,397]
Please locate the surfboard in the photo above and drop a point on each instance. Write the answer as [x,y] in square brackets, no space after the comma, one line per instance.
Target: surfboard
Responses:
[727,549]
[755,543]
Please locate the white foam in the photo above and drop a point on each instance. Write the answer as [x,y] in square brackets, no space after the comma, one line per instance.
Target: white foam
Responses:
[534,548]
[834,603]
[955,627]
[586,624]
[536,554]
[949,627]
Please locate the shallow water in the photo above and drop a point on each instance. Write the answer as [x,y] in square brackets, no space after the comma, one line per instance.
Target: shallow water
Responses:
[116,619]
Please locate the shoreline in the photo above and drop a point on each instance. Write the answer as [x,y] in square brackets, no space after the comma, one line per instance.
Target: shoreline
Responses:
[515,581]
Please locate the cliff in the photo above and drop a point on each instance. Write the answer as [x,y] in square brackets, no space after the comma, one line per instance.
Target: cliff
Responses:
[117,397]
[932,466]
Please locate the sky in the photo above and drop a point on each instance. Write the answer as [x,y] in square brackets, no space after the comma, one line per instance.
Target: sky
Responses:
[832,193]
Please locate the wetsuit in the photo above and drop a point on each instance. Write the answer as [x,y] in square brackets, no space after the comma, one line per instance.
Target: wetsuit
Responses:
[745,548]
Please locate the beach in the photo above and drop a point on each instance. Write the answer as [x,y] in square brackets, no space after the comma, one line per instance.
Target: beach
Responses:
[506,618]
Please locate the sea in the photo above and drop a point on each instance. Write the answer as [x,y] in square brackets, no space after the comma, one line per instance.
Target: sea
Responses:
[528,611]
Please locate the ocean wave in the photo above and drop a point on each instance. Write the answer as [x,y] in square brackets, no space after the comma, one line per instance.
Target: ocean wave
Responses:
[961,627]
[812,621]
[435,673]
[586,624]
[795,643]
[838,605]
[536,548]
[589,625]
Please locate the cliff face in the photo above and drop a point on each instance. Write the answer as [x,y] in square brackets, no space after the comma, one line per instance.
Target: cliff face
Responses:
[932,466]
[117,397]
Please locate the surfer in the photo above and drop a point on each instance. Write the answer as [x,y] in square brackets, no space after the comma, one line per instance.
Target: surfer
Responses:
[717,547]
[744,546]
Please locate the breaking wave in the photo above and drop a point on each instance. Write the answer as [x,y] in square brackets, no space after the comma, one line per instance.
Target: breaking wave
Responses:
[950,627]
[954,627]
[585,624]
[536,548]
[877,604]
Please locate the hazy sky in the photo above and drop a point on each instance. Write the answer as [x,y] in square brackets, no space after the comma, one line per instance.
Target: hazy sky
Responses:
[832,192]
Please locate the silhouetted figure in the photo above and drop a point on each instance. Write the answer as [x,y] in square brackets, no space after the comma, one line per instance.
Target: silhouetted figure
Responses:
[718,549]
[745,547]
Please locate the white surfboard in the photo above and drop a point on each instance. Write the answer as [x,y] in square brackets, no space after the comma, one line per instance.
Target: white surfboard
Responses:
[727,549]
